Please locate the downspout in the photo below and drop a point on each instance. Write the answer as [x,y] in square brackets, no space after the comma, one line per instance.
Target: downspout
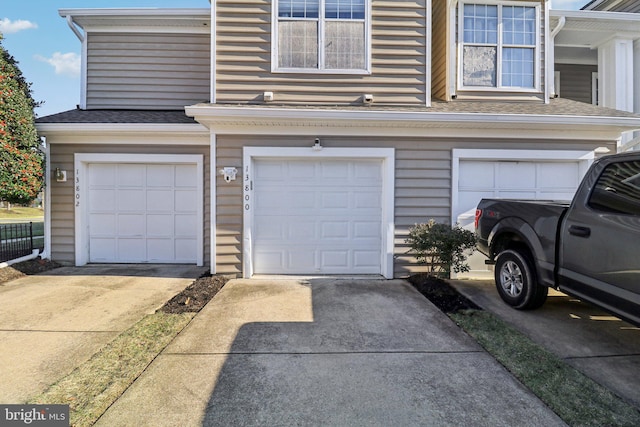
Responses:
[551,59]
[75,29]
[83,72]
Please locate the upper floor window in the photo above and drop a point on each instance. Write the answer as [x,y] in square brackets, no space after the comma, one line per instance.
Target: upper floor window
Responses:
[325,35]
[499,46]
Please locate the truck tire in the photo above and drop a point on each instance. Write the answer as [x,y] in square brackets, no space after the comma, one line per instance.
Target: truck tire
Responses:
[516,281]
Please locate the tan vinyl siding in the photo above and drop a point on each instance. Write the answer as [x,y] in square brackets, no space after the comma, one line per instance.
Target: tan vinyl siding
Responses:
[147,71]
[62,193]
[576,81]
[440,50]
[398,61]
[422,184]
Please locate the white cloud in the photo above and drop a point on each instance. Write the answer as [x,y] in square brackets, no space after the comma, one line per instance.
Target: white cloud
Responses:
[67,64]
[8,26]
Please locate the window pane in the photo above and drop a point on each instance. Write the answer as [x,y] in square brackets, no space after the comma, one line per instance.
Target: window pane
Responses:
[298,8]
[519,25]
[345,45]
[344,9]
[517,67]
[298,44]
[480,24]
[479,66]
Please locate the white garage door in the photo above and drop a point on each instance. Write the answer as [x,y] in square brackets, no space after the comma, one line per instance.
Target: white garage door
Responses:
[517,179]
[317,216]
[142,213]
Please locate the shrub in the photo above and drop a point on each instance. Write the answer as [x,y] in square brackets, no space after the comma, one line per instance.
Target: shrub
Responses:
[441,247]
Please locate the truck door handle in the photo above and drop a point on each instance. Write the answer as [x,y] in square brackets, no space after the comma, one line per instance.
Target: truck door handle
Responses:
[580,231]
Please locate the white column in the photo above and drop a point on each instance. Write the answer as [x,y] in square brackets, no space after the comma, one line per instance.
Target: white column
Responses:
[615,74]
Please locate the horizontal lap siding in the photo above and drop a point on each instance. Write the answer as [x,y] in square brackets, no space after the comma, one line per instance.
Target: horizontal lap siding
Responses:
[576,81]
[147,71]
[422,184]
[243,58]
[62,193]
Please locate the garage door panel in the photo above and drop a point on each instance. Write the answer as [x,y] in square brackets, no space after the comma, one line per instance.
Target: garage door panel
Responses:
[103,200]
[184,226]
[131,225]
[103,223]
[334,230]
[551,175]
[130,175]
[185,176]
[103,249]
[160,176]
[160,225]
[102,175]
[334,200]
[131,249]
[131,199]
[367,230]
[477,174]
[159,249]
[331,259]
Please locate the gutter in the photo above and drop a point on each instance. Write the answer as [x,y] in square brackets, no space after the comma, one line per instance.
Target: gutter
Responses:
[551,80]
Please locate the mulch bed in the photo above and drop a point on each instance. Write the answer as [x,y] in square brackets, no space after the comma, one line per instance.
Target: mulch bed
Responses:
[441,294]
[196,295]
[26,268]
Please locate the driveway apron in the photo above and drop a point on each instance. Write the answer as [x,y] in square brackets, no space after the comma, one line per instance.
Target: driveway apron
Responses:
[52,322]
[325,352]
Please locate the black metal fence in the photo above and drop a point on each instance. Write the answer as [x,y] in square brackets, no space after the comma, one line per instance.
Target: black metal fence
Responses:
[16,240]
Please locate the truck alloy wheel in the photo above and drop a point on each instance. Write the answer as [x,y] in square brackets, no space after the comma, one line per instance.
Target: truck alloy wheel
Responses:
[516,281]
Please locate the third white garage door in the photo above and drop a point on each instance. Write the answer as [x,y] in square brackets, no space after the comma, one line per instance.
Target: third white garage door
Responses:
[317,216]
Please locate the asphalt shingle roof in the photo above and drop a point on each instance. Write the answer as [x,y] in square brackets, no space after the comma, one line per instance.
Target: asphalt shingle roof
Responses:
[118,116]
[556,107]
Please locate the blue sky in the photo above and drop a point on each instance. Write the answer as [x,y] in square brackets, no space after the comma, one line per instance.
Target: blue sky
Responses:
[48,53]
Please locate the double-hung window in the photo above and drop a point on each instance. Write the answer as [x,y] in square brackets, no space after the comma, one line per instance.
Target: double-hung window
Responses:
[499,46]
[321,35]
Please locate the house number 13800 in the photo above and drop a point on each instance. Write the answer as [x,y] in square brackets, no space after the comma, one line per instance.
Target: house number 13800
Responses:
[247,188]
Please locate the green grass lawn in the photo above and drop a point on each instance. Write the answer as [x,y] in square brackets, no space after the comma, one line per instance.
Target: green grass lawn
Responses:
[20,213]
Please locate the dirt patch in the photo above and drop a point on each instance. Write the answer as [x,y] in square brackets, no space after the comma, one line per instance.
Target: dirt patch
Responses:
[441,294]
[196,295]
[26,268]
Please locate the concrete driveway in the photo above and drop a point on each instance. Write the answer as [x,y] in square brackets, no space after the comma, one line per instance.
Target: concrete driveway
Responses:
[325,352]
[601,346]
[52,322]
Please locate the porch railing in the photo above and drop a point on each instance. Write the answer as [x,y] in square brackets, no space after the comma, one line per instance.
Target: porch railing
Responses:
[16,240]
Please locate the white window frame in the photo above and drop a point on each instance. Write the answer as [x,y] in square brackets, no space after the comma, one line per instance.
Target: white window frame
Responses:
[387,155]
[275,66]
[499,46]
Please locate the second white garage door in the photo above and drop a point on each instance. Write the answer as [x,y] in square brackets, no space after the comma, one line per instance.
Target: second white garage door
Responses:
[317,216]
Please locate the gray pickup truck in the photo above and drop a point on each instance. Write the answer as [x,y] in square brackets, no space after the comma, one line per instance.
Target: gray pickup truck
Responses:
[588,248]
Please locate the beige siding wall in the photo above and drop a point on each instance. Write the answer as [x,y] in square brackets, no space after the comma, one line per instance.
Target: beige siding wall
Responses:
[575,81]
[422,184]
[147,71]
[398,58]
[62,193]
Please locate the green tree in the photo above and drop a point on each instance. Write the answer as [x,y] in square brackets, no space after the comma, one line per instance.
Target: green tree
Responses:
[21,158]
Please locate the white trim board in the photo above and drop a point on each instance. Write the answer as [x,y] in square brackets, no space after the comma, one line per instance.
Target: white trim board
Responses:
[387,155]
[81,164]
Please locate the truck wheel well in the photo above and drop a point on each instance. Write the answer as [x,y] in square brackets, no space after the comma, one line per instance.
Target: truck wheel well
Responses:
[510,241]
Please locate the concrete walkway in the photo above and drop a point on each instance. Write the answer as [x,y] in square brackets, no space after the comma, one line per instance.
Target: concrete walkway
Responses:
[325,352]
[596,343]
[52,322]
